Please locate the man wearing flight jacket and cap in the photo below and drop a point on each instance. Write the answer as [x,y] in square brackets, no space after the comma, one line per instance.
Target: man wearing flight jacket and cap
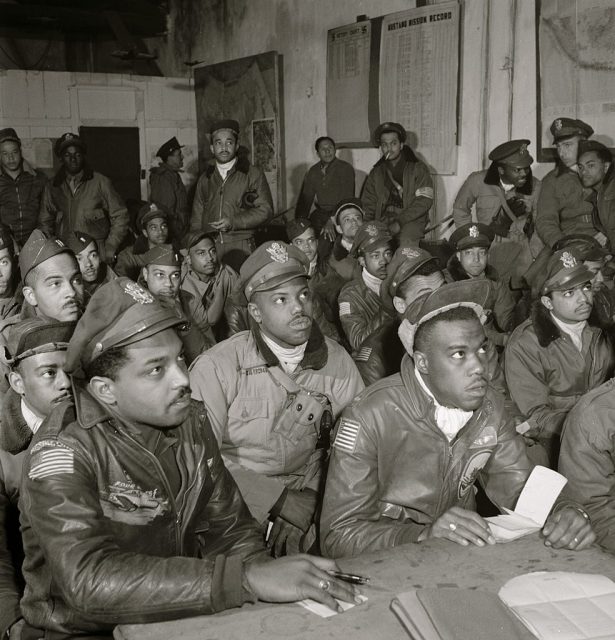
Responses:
[232,196]
[558,354]
[562,205]
[128,512]
[409,449]
[273,394]
[167,190]
[399,188]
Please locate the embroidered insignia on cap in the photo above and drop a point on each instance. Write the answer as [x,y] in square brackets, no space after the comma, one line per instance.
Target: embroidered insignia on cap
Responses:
[138,293]
[371,230]
[568,260]
[346,438]
[408,252]
[68,136]
[278,253]
[557,124]
[82,238]
[153,207]
[473,231]
[523,149]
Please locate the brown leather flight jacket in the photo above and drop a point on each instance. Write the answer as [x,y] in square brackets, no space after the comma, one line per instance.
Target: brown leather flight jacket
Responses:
[106,540]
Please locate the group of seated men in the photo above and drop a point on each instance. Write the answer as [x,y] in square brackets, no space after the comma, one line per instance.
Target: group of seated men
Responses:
[178,437]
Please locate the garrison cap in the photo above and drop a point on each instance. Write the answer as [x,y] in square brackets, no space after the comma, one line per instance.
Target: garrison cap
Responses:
[564,271]
[148,212]
[272,264]
[473,294]
[583,247]
[390,127]
[120,313]
[369,236]
[593,145]
[348,203]
[164,255]
[296,227]
[37,249]
[34,335]
[473,234]
[513,153]
[567,127]
[233,125]
[404,264]
[192,238]
[9,135]
[168,148]
[68,140]
[77,241]
[6,239]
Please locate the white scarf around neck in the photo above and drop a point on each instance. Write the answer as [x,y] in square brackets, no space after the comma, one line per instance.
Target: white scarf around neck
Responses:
[289,358]
[225,167]
[371,282]
[574,330]
[449,420]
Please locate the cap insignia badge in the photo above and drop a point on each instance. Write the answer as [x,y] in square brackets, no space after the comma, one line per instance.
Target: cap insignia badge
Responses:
[278,253]
[153,207]
[523,149]
[408,252]
[568,260]
[558,124]
[371,230]
[473,231]
[68,136]
[138,293]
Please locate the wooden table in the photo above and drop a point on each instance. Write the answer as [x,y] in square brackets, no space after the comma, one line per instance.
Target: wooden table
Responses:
[435,563]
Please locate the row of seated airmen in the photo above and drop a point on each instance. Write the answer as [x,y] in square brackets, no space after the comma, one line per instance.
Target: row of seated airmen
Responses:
[349,394]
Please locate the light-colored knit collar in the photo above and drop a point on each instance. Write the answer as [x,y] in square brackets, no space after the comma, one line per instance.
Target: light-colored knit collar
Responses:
[371,282]
[288,358]
[574,330]
[225,167]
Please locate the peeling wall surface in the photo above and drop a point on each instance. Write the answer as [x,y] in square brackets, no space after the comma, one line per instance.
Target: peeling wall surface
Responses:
[41,106]
[497,81]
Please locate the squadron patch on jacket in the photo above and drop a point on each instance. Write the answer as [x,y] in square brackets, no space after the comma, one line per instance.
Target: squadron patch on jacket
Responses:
[425,192]
[52,462]
[471,471]
[347,434]
[344,308]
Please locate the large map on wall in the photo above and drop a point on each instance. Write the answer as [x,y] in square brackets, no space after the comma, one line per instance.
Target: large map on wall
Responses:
[576,45]
[247,90]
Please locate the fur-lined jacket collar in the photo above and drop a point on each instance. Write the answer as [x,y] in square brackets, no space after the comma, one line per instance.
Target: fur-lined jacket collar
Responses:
[407,155]
[15,434]
[456,271]
[546,330]
[492,177]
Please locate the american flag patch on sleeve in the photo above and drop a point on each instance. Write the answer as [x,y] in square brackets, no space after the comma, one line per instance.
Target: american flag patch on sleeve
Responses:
[364,354]
[344,308]
[426,192]
[347,434]
[51,462]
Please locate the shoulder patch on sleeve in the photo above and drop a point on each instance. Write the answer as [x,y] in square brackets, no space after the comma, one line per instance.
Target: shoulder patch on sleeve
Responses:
[54,459]
[363,354]
[344,308]
[347,434]
[426,192]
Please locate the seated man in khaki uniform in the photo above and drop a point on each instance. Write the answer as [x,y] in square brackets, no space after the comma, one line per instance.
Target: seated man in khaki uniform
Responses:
[409,449]
[128,512]
[273,393]
[558,354]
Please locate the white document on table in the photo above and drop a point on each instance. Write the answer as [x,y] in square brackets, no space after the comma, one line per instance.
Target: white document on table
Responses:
[563,606]
[325,612]
[533,506]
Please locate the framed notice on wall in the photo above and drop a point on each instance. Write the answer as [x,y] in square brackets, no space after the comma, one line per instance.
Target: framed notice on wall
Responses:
[576,68]
[402,67]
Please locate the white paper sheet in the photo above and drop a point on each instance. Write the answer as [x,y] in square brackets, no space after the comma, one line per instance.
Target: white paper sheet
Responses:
[323,611]
[563,606]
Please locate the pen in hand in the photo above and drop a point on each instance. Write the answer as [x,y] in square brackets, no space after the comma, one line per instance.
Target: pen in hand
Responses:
[349,577]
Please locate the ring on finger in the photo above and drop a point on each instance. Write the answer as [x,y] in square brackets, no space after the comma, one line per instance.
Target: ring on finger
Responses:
[575,540]
[324,585]
[452,526]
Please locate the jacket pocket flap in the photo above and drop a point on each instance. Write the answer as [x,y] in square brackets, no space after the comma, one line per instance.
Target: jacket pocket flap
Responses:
[249,409]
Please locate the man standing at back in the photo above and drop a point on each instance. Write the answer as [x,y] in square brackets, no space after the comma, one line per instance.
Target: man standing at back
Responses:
[232,196]
[81,199]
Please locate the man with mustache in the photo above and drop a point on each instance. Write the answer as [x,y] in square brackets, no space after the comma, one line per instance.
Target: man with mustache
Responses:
[52,287]
[272,395]
[11,297]
[129,514]
[409,449]
[36,353]
[232,196]
[94,272]
[360,309]
[558,354]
